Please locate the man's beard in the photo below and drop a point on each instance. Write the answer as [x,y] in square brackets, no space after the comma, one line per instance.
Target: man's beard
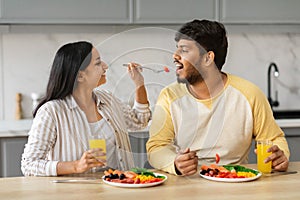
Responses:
[191,79]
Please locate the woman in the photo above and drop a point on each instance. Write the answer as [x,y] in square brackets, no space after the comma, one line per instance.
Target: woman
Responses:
[75,108]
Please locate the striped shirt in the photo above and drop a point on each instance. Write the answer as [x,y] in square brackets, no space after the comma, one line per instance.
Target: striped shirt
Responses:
[60,132]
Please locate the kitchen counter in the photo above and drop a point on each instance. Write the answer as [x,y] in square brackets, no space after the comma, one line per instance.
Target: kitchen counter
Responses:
[288,123]
[11,128]
[176,187]
[21,127]
[15,128]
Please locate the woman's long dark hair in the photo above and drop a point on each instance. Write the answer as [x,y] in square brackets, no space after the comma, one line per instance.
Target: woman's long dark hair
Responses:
[68,60]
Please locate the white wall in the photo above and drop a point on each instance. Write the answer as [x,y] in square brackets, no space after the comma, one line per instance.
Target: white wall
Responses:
[26,53]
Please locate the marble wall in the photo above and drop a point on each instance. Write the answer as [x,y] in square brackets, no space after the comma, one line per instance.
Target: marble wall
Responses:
[26,53]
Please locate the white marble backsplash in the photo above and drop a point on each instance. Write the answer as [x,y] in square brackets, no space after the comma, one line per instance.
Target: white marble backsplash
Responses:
[251,54]
[26,58]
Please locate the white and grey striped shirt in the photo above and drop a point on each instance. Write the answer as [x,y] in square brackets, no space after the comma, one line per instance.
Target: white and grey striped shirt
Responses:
[60,132]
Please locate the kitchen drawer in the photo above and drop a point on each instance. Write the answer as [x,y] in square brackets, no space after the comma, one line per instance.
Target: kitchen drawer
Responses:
[11,150]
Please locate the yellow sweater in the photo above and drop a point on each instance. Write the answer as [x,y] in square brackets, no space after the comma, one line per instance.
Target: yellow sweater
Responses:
[224,124]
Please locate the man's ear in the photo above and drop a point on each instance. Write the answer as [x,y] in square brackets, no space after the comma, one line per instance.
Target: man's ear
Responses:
[209,58]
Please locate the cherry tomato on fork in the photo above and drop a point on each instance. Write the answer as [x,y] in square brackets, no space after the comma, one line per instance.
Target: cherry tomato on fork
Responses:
[166,69]
[217,158]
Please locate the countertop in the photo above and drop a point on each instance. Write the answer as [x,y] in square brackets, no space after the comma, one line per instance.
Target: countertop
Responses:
[13,128]
[275,186]
[288,123]
[19,128]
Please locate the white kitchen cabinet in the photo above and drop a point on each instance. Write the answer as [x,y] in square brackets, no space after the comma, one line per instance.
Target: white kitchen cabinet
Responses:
[148,11]
[174,11]
[260,11]
[65,11]
[11,149]
[293,138]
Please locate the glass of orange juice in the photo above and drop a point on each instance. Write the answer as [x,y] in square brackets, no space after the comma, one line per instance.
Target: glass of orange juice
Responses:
[96,141]
[262,147]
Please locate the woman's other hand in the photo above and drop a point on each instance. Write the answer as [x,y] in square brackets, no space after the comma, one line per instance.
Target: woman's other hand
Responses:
[89,160]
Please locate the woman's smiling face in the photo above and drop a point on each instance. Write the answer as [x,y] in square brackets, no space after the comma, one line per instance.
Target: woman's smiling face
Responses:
[95,71]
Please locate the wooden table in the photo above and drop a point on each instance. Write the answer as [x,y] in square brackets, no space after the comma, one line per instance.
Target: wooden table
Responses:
[176,187]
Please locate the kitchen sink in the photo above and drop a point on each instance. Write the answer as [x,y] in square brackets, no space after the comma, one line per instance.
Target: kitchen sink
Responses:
[286,114]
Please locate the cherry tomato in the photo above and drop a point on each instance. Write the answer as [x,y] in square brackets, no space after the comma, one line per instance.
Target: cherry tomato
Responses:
[166,69]
[217,158]
[137,181]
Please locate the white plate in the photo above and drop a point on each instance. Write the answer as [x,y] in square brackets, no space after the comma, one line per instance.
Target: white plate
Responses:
[231,180]
[141,185]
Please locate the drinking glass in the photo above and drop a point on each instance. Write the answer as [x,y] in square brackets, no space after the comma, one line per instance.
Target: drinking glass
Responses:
[96,141]
[262,147]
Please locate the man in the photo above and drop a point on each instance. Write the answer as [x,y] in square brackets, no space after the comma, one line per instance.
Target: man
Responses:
[209,112]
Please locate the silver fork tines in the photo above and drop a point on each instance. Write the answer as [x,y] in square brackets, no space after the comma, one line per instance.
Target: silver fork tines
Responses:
[143,67]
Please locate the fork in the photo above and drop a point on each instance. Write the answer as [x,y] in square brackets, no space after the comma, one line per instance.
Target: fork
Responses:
[154,70]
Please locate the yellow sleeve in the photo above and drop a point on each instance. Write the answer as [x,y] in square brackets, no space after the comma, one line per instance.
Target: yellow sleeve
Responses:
[265,126]
[161,152]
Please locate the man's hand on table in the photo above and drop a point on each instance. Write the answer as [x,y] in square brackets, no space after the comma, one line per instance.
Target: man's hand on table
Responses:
[279,160]
[186,162]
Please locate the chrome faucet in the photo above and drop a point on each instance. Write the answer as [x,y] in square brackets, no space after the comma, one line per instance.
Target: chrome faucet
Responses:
[276,74]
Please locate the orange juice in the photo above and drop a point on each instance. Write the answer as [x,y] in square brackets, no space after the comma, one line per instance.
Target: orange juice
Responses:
[262,154]
[98,143]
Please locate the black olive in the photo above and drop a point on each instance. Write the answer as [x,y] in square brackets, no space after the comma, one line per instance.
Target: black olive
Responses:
[122,176]
[115,176]
[111,176]
[203,172]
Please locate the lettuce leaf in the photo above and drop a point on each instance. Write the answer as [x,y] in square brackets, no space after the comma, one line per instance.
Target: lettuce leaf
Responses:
[239,168]
[142,171]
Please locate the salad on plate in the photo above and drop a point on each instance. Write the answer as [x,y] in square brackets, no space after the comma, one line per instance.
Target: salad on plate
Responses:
[136,177]
[229,173]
